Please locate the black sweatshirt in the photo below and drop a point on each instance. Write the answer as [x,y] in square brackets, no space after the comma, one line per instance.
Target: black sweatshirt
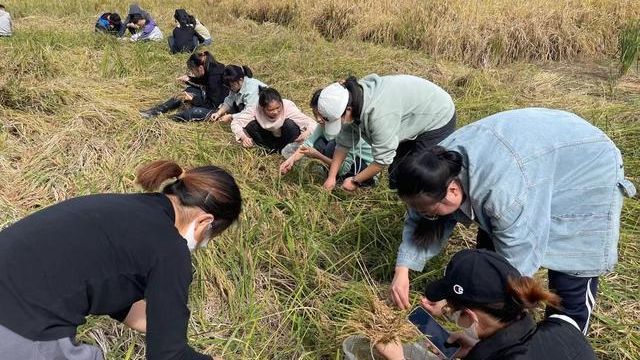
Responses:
[550,339]
[212,81]
[98,255]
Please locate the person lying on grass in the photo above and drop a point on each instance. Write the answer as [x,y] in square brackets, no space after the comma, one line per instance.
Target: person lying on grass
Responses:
[544,187]
[273,123]
[489,298]
[123,255]
[243,92]
[204,93]
[319,146]
[396,114]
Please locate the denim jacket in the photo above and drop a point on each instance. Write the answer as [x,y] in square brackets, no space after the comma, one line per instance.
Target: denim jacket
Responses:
[545,184]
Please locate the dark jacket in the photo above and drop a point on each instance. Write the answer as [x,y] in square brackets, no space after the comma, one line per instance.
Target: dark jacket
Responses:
[107,26]
[550,339]
[215,90]
[98,255]
[184,35]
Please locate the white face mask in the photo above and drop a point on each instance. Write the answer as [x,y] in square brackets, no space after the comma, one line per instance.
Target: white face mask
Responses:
[190,236]
[471,331]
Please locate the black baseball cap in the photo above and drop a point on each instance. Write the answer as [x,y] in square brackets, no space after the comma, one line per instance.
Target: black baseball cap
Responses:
[474,276]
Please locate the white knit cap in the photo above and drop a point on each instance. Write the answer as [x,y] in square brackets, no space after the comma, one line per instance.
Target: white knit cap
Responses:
[331,105]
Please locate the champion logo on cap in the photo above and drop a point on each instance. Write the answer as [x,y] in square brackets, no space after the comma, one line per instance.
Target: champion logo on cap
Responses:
[458,289]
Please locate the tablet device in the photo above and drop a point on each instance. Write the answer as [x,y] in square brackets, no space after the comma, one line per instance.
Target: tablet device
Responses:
[436,334]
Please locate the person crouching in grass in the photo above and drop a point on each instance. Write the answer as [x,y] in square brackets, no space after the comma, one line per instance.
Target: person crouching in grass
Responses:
[127,256]
[321,146]
[272,124]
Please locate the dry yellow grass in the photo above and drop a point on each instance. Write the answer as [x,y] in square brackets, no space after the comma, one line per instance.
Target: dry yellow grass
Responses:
[478,32]
[285,281]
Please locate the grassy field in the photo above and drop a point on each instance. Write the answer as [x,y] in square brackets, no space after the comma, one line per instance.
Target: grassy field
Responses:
[285,282]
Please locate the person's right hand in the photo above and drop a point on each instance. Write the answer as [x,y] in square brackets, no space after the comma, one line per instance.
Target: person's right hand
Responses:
[466,344]
[286,166]
[390,351]
[247,141]
[399,290]
[435,308]
[183,78]
[330,183]
[213,116]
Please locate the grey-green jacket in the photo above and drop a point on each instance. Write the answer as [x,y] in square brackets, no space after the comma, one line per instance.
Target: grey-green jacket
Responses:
[396,108]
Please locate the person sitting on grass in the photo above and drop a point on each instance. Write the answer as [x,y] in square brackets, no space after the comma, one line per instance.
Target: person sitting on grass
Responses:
[188,34]
[204,93]
[243,92]
[109,23]
[146,30]
[203,34]
[6,25]
[134,9]
[272,124]
[318,146]
[123,255]
[489,298]
[184,37]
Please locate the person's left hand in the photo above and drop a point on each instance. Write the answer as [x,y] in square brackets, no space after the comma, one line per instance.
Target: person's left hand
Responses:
[349,185]
[391,351]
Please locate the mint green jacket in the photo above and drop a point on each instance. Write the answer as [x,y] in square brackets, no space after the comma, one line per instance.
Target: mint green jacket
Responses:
[396,108]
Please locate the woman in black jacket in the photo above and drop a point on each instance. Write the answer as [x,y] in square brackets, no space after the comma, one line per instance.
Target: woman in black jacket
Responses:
[489,298]
[204,93]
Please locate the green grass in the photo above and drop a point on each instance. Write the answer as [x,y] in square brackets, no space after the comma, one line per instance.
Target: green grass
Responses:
[283,283]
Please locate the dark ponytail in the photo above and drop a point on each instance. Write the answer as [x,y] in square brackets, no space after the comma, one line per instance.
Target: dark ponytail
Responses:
[268,95]
[199,59]
[208,187]
[235,73]
[524,293]
[356,97]
[313,103]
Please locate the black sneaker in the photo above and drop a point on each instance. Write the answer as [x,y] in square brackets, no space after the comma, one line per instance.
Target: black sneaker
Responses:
[151,113]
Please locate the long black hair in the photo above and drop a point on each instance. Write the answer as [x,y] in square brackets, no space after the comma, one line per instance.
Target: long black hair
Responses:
[315,98]
[356,97]
[203,58]
[429,174]
[234,73]
[267,95]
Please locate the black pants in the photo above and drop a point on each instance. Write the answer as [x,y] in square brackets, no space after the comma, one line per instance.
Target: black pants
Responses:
[289,132]
[578,294]
[328,148]
[424,141]
[197,111]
